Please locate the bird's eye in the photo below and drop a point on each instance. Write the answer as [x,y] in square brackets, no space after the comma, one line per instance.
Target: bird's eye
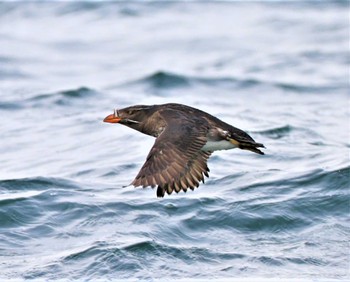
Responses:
[130,112]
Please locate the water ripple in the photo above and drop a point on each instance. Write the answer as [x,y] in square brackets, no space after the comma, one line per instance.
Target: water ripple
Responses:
[163,80]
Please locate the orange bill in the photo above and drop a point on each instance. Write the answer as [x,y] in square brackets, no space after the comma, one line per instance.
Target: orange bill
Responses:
[112,119]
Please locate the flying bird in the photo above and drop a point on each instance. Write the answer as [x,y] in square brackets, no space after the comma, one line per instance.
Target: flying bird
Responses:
[185,139]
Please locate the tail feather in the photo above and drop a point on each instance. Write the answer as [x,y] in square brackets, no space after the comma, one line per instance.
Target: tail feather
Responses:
[251,146]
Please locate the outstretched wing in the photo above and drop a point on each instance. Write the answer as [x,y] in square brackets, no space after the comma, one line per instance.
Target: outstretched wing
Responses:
[176,161]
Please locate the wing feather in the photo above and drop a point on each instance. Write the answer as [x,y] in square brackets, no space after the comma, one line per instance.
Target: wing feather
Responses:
[176,161]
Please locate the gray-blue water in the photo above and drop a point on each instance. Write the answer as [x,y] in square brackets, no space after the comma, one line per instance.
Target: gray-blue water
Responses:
[280,71]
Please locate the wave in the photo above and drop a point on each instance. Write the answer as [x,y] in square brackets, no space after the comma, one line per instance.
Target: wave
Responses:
[60,98]
[12,197]
[39,204]
[168,80]
[64,97]
[138,256]
[119,235]
[110,259]
[161,80]
[10,106]
[39,183]
[285,204]
[291,131]
[277,132]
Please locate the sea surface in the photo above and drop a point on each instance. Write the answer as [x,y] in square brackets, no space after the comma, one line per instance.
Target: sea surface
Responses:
[278,70]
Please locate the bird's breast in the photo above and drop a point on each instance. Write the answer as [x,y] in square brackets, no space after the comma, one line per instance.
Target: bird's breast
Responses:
[218,145]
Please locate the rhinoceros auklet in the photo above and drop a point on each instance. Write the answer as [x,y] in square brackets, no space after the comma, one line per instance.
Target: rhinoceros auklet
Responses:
[185,139]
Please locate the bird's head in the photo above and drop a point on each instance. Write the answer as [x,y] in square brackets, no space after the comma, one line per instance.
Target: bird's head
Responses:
[132,116]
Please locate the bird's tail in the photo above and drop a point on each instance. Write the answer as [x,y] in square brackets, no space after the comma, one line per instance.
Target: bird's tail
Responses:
[251,146]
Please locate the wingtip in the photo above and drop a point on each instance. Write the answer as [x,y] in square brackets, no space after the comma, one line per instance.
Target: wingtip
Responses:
[160,192]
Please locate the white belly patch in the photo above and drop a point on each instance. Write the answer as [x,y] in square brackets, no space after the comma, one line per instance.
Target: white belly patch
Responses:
[218,145]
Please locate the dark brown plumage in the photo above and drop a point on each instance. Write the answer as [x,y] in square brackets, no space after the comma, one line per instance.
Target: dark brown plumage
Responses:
[186,137]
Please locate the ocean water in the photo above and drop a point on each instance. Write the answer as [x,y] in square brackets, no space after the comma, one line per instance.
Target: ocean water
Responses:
[278,70]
